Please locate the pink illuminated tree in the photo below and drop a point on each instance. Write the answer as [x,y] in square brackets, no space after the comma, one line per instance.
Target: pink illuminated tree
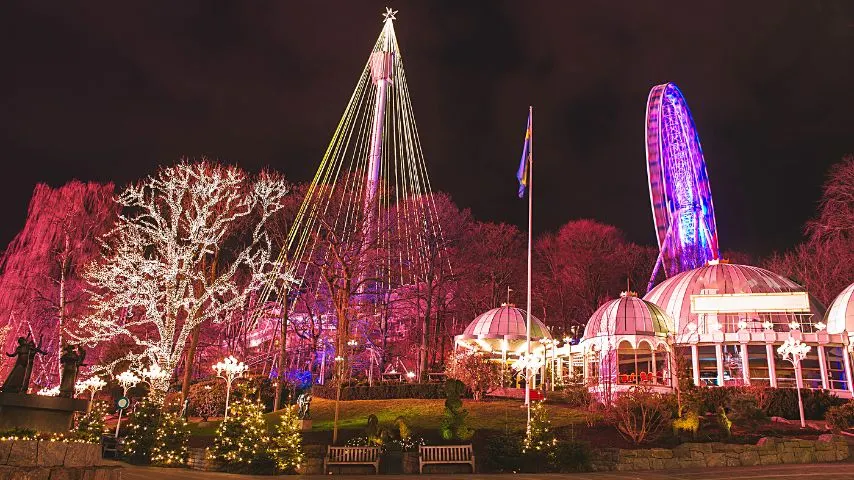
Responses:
[41,289]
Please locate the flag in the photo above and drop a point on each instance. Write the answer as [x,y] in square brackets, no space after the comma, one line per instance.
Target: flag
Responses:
[525,164]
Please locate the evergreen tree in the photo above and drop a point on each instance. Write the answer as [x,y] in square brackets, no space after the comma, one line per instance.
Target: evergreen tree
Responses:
[90,427]
[540,442]
[453,425]
[242,439]
[287,444]
[142,432]
[170,445]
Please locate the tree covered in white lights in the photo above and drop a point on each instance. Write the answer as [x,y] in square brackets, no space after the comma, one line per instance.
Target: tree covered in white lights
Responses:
[189,246]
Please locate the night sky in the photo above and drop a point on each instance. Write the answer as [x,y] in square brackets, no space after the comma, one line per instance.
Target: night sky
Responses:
[109,90]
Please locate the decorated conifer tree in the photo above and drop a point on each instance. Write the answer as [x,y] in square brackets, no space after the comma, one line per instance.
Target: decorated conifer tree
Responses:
[540,440]
[90,427]
[287,444]
[142,431]
[241,440]
[170,443]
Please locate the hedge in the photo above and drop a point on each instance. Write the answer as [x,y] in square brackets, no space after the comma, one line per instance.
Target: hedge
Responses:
[382,392]
[777,402]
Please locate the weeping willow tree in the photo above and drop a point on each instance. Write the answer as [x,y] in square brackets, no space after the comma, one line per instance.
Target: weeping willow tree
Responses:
[42,292]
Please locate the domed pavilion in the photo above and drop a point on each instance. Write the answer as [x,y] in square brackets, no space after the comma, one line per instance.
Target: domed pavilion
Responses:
[840,315]
[502,332]
[625,343]
[730,319]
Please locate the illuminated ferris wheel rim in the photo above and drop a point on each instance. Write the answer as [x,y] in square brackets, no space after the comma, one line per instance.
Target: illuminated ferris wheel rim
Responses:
[662,203]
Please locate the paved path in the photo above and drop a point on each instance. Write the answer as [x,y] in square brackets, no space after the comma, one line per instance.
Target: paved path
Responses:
[825,471]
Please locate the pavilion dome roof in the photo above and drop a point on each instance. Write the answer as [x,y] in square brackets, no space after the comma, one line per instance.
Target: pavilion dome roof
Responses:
[674,294]
[506,322]
[628,315]
[840,315]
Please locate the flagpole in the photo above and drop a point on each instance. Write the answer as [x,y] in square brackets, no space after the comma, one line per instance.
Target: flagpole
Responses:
[530,237]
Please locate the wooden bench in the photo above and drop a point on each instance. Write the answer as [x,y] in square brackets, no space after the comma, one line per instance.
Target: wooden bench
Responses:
[445,454]
[111,445]
[351,456]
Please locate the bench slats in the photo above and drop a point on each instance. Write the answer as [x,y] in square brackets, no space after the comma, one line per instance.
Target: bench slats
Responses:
[351,455]
[445,454]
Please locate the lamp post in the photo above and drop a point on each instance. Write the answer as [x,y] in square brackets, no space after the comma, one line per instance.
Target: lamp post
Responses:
[127,380]
[229,369]
[154,377]
[93,384]
[794,351]
[528,363]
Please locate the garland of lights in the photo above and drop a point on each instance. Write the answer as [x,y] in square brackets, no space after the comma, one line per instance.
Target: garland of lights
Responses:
[242,438]
[170,442]
[287,444]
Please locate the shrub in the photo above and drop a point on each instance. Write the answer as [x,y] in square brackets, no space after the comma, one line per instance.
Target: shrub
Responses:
[640,415]
[90,427]
[504,453]
[453,425]
[141,432]
[170,446]
[840,417]
[287,444]
[475,369]
[574,396]
[207,399]
[784,403]
[744,410]
[571,456]
[689,422]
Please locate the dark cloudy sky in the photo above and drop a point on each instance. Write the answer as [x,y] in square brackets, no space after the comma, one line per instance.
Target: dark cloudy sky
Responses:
[109,90]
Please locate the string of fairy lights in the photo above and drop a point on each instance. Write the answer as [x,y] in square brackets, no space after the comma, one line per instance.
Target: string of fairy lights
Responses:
[400,222]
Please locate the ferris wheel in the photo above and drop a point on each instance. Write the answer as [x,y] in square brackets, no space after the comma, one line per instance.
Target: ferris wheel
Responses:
[678,185]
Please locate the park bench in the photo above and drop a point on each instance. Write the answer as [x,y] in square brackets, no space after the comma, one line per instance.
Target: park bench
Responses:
[111,445]
[351,456]
[445,454]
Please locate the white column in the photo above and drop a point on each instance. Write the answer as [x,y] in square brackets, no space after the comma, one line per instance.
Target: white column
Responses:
[799,377]
[719,357]
[695,364]
[654,370]
[745,364]
[822,363]
[846,357]
[772,369]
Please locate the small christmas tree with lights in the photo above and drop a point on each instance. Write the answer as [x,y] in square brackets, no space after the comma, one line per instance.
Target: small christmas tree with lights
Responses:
[142,431]
[540,442]
[90,427]
[170,444]
[241,440]
[287,444]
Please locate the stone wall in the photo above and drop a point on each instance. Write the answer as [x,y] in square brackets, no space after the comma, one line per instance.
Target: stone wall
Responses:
[768,451]
[44,459]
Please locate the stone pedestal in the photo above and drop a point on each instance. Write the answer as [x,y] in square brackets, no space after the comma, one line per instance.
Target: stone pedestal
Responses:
[38,412]
[305,425]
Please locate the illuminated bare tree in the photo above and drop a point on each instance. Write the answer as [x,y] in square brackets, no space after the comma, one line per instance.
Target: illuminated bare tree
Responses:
[154,284]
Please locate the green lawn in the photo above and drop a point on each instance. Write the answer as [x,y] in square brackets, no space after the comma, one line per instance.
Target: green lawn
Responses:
[498,414]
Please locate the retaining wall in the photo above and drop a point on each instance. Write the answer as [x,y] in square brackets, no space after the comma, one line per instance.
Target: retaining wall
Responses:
[768,451]
[44,459]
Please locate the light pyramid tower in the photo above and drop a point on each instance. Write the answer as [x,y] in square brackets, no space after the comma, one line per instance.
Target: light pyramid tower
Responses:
[368,225]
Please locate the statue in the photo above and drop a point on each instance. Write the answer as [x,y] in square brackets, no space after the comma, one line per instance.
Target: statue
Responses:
[18,380]
[304,403]
[71,360]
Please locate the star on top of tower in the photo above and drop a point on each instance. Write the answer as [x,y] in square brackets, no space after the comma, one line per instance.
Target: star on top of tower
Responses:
[389,14]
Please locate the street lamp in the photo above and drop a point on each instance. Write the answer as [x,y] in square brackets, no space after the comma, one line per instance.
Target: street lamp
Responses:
[127,380]
[793,350]
[154,377]
[228,370]
[92,384]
